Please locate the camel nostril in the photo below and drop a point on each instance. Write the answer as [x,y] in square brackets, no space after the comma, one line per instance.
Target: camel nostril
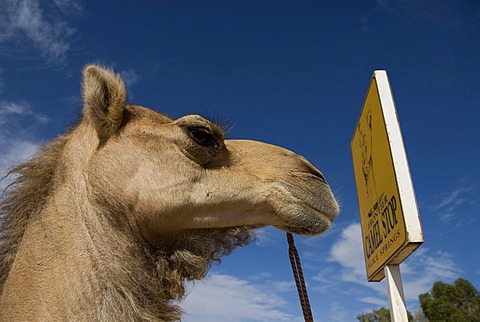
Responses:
[319,175]
[315,172]
[310,168]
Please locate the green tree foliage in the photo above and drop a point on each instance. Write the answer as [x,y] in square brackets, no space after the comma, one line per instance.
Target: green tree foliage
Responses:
[459,302]
[380,315]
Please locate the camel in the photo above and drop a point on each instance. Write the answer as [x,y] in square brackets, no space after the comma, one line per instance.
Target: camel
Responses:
[111,220]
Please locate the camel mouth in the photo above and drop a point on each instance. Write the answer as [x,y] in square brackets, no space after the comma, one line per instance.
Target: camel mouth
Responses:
[308,208]
[307,222]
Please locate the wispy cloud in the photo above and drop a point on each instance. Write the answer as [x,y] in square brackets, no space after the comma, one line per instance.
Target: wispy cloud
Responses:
[228,298]
[454,198]
[1,81]
[18,108]
[268,236]
[338,312]
[25,24]
[69,6]
[16,152]
[448,205]
[12,111]
[438,12]
[15,145]
[380,302]
[364,24]
[130,77]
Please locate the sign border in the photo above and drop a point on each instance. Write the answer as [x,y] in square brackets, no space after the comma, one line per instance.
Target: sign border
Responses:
[414,235]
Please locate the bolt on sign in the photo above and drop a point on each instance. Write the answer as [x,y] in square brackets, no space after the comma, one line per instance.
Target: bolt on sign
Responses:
[391,228]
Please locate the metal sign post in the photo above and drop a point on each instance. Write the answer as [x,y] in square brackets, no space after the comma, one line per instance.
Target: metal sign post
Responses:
[396,299]
[389,219]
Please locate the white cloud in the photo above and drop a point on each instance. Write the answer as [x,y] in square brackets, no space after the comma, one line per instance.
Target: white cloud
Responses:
[19,151]
[424,268]
[14,153]
[449,205]
[16,147]
[268,236]
[228,298]
[25,22]
[348,252]
[419,271]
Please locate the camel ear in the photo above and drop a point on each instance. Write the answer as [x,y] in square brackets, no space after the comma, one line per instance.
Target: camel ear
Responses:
[104,99]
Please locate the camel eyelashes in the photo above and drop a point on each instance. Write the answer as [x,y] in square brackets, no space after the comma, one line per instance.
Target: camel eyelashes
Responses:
[202,136]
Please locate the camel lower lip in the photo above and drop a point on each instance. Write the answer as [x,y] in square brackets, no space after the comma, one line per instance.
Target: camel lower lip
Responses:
[319,200]
[307,221]
[307,230]
[305,211]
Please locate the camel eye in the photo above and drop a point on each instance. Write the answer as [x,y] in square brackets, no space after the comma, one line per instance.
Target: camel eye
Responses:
[202,136]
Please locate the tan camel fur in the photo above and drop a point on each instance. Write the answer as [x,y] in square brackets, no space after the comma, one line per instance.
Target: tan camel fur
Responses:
[110,220]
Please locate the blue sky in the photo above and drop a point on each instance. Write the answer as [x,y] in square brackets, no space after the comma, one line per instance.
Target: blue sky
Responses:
[291,73]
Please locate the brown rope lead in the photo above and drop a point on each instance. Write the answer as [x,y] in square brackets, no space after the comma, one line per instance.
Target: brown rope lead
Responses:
[299,279]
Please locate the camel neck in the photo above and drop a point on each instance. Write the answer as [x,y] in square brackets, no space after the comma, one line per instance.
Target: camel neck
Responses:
[56,256]
[75,263]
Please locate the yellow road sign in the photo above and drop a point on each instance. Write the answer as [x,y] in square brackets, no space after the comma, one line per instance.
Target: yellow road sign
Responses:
[389,218]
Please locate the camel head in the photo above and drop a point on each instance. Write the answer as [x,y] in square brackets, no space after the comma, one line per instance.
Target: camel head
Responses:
[177,175]
[110,220]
